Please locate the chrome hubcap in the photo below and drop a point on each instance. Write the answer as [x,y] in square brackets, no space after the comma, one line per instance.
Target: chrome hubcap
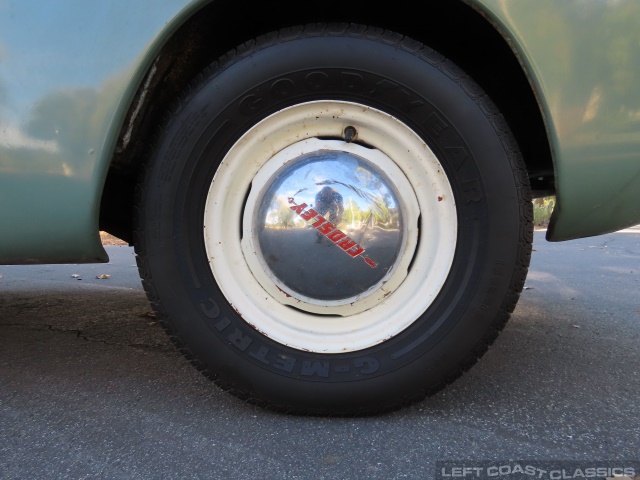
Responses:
[329,223]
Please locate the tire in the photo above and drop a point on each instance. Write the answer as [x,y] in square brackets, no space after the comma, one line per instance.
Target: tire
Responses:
[397,284]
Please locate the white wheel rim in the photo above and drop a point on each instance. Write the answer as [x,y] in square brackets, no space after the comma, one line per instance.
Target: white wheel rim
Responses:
[392,303]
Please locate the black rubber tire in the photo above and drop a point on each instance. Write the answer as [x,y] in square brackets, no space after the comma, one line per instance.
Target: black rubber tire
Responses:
[396,75]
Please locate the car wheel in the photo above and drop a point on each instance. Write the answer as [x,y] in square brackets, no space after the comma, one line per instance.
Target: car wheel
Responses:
[335,220]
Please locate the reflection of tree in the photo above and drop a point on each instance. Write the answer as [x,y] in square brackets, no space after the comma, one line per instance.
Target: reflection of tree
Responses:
[353,216]
[286,216]
[379,215]
[75,120]
[589,51]
[279,214]
[56,116]
[380,212]
[384,216]
[369,182]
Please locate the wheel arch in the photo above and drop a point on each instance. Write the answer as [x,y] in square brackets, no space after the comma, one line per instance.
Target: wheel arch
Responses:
[453,28]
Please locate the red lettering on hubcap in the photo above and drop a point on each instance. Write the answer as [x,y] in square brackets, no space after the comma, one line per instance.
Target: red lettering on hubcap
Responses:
[338,237]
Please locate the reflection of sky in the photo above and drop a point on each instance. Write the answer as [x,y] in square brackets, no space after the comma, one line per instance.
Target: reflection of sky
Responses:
[353,177]
[47,46]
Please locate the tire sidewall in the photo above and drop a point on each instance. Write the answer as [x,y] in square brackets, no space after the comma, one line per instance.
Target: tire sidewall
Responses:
[430,96]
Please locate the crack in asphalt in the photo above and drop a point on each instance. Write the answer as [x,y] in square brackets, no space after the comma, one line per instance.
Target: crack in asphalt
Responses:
[82,335]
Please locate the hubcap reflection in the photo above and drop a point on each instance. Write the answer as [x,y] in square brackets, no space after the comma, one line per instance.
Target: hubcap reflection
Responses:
[329,226]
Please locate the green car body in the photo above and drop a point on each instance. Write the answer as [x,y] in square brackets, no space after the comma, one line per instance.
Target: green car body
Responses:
[72,75]
[581,60]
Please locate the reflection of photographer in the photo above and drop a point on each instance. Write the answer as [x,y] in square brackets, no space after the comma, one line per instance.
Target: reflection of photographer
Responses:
[329,205]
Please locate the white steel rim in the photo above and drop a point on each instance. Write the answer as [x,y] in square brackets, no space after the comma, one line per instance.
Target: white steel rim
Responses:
[374,317]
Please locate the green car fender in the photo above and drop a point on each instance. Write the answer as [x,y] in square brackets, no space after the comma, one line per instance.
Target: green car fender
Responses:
[582,62]
[67,81]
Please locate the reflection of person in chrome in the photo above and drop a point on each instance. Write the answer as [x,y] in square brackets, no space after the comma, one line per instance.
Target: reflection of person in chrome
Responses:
[329,204]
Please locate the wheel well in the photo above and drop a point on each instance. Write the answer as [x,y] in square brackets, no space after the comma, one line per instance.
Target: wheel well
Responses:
[450,27]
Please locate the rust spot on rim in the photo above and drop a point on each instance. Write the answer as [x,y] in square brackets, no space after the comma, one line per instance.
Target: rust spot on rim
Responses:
[288,296]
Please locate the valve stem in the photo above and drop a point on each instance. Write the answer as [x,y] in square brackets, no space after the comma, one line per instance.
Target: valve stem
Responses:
[350,134]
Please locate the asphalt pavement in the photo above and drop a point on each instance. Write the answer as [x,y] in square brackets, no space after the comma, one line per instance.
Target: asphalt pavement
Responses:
[90,387]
